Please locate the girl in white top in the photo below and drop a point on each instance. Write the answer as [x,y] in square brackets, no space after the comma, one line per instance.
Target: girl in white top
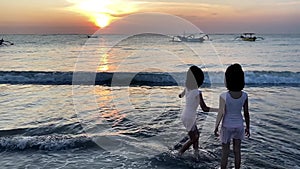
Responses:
[193,95]
[230,106]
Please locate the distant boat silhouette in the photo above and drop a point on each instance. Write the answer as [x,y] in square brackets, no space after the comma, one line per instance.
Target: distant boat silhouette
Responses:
[92,36]
[190,38]
[5,43]
[248,37]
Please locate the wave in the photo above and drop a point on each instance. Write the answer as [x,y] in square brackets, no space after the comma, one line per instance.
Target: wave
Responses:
[140,78]
[46,142]
[49,137]
[72,128]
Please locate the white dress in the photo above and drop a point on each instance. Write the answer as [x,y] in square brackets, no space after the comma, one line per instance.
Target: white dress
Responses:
[188,116]
[232,125]
[233,117]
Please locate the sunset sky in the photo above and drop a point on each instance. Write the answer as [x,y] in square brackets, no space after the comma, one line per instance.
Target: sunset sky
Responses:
[87,16]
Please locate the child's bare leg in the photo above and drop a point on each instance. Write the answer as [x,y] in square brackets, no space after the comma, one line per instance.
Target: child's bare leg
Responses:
[191,141]
[185,147]
[237,153]
[196,141]
[196,144]
[225,154]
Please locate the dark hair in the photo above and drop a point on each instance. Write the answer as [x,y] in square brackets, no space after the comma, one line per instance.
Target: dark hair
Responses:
[194,77]
[235,79]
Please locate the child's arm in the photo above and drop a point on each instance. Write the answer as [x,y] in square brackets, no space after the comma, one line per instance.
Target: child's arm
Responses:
[247,118]
[181,95]
[204,107]
[220,115]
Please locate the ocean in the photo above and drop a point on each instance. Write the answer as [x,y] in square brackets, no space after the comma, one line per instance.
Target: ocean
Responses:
[111,101]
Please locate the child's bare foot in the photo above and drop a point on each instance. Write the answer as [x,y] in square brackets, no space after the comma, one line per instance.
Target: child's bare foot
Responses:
[179,154]
[196,155]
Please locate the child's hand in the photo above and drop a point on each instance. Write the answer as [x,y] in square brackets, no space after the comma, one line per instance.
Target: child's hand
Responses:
[216,133]
[247,132]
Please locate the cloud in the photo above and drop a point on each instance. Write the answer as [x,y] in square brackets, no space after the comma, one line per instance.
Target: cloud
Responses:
[102,13]
[179,6]
[290,3]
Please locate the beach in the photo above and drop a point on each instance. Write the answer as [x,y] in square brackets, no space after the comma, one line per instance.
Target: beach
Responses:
[55,113]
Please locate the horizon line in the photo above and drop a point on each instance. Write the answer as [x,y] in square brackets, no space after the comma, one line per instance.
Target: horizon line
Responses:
[210,33]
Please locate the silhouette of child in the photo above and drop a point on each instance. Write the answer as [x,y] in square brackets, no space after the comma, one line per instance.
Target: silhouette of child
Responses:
[230,106]
[193,96]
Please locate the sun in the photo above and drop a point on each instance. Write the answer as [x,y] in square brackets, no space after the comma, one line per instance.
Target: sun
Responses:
[102,20]
[102,12]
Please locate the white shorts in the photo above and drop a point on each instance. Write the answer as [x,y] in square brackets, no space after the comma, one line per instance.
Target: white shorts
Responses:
[227,134]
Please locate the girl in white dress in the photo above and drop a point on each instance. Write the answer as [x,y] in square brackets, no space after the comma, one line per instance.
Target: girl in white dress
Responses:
[193,96]
[230,106]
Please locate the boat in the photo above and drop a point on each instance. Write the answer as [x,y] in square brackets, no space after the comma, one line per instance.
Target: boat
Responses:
[248,37]
[92,36]
[5,43]
[190,38]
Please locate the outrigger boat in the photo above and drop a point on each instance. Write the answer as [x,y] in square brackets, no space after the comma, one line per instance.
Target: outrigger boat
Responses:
[190,38]
[248,37]
[92,36]
[5,43]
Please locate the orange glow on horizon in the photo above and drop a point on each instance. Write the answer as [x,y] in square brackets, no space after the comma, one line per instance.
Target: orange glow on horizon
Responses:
[87,16]
[100,12]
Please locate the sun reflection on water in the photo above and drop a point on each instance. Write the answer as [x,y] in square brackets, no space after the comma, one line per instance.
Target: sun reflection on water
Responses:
[105,103]
[103,65]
